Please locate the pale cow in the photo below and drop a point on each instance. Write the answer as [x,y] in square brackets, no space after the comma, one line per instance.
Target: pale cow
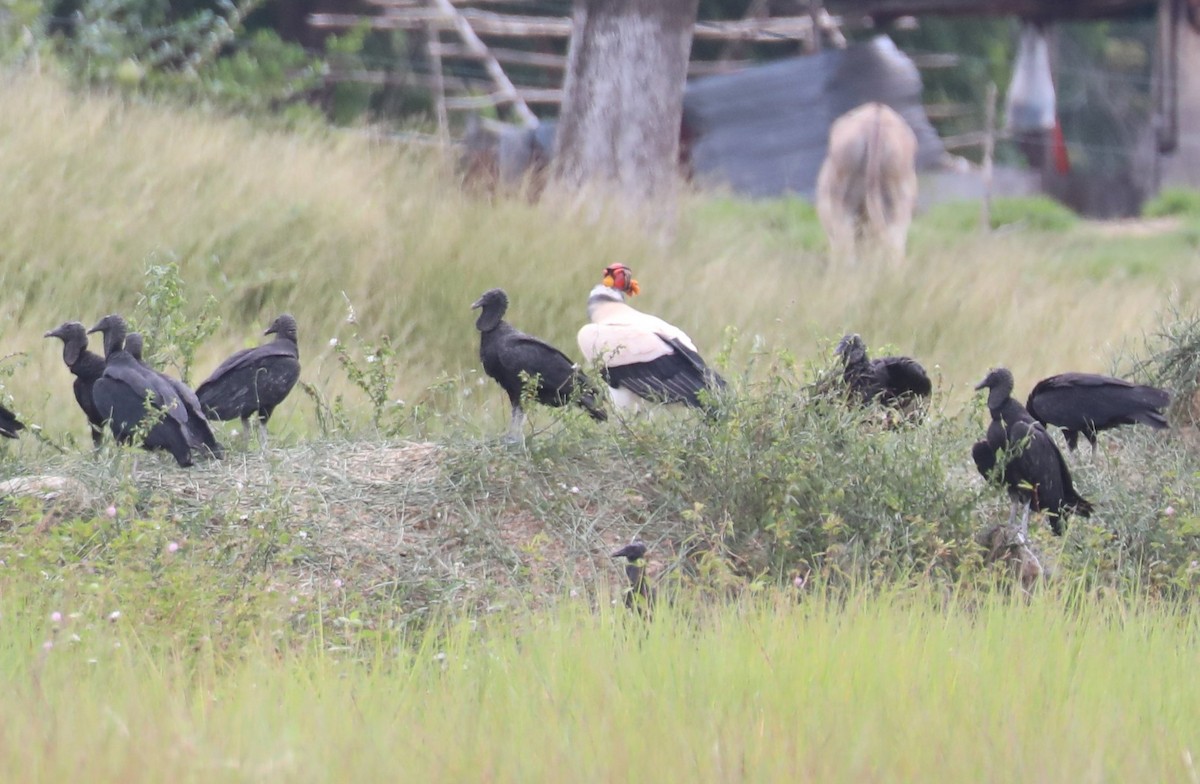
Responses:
[867,188]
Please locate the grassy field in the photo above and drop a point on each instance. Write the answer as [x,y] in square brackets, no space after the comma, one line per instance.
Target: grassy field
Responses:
[389,593]
[891,689]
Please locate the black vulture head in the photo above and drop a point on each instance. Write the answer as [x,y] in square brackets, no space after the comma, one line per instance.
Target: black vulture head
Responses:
[620,277]
[633,552]
[852,350]
[494,304]
[134,345]
[283,327]
[999,383]
[114,329]
[74,337]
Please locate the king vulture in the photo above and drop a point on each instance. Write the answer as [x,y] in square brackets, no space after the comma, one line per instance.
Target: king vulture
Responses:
[642,356]
[511,357]
[1087,403]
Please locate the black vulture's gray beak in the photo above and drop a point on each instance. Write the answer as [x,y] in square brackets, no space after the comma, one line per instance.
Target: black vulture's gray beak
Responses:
[477,304]
[981,385]
[98,328]
[270,330]
[50,333]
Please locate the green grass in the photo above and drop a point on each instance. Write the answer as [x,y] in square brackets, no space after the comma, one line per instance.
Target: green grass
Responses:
[389,593]
[894,687]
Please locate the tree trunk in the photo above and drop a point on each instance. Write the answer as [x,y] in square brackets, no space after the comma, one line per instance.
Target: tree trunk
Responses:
[623,96]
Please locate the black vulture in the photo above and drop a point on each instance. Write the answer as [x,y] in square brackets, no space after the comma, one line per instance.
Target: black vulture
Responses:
[124,390]
[199,431]
[510,357]
[895,382]
[1088,403]
[642,356]
[1033,469]
[9,424]
[86,366]
[253,381]
[639,596]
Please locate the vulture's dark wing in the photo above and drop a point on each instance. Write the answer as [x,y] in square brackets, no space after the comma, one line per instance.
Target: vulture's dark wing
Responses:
[676,376]
[558,374]
[902,376]
[1041,465]
[9,424]
[1081,401]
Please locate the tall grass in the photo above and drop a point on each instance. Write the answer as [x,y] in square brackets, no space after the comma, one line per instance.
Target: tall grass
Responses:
[267,220]
[898,688]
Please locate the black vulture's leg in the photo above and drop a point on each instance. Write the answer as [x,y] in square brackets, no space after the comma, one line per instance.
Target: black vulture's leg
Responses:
[1024,532]
[516,428]
[1012,513]
[261,430]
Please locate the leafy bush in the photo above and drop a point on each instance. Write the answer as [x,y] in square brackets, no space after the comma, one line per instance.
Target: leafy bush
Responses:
[1036,213]
[1173,201]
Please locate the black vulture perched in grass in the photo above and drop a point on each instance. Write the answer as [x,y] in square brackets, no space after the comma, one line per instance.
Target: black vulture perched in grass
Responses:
[639,596]
[9,424]
[1088,403]
[86,366]
[510,357]
[253,381]
[643,357]
[895,382]
[1033,469]
[123,391]
[199,431]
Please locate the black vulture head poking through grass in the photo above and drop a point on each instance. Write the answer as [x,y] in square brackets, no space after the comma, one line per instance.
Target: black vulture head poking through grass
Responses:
[639,596]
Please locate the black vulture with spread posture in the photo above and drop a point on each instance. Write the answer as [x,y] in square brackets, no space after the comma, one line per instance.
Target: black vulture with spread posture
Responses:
[1088,403]
[510,357]
[639,596]
[199,431]
[122,392]
[86,366]
[1033,468]
[896,382]
[643,357]
[9,424]
[252,382]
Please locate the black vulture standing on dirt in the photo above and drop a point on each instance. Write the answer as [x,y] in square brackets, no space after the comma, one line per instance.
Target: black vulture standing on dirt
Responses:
[1088,403]
[253,381]
[639,596]
[199,431]
[644,358]
[1034,470]
[87,366]
[510,357]
[9,424]
[121,395]
[895,382]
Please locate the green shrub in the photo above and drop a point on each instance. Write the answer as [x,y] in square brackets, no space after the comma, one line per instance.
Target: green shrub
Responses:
[1036,213]
[1173,201]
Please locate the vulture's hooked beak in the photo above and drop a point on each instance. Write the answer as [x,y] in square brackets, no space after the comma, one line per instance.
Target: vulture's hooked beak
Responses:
[477,304]
[50,333]
[271,330]
[96,328]
[981,385]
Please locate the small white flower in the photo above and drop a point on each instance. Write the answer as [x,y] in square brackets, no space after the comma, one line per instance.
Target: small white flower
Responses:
[303,534]
[370,358]
[173,547]
[333,341]
[574,489]
[114,615]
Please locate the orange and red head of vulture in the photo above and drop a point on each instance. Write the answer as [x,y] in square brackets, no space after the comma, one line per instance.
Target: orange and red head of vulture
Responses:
[620,277]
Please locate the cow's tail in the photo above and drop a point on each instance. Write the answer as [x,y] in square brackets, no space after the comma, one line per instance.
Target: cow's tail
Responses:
[875,196]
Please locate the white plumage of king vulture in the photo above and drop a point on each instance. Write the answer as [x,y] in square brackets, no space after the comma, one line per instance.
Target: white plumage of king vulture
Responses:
[642,357]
